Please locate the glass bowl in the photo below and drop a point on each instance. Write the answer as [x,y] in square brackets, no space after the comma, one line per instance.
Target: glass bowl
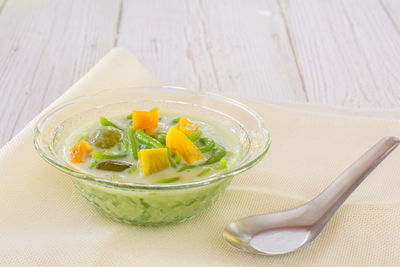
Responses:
[151,204]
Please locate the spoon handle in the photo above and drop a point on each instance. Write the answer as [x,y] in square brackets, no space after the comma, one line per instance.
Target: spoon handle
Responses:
[326,203]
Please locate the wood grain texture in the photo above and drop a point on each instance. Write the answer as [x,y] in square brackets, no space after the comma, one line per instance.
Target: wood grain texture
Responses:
[392,10]
[341,53]
[48,48]
[224,46]
[347,51]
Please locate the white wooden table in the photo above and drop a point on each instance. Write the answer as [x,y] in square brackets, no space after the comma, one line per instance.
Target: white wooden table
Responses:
[342,53]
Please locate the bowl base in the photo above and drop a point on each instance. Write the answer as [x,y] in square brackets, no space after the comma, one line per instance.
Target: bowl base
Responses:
[143,208]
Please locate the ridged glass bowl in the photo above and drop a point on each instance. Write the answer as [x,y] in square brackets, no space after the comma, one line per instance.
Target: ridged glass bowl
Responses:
[151,204]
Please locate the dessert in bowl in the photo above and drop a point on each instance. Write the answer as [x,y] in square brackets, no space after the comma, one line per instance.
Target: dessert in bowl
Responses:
[151,156]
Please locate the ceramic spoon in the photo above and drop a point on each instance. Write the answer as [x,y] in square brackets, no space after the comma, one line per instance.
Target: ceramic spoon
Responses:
[286,231]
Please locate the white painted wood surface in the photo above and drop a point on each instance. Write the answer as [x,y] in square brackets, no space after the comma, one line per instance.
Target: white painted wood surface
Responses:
[343,53]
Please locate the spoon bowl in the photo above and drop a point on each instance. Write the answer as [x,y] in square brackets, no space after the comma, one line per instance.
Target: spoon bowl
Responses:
[286,231]
[274,233]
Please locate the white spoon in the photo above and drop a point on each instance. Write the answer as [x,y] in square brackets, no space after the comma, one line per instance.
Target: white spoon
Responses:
[286,231]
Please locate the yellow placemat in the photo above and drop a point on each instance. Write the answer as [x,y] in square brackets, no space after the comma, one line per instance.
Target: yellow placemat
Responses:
[44,220]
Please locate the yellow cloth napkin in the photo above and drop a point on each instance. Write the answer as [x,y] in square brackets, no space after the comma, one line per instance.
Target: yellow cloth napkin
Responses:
[44,220]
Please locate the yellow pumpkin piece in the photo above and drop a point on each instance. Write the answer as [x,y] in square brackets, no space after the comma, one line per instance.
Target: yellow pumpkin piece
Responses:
[80,151]
[187,127]
[153,160]
[177,141]
[146,120]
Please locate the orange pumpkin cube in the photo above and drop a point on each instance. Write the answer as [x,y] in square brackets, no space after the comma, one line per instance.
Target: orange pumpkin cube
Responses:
[146,120]
[187,127]
[177,141]
[80,151]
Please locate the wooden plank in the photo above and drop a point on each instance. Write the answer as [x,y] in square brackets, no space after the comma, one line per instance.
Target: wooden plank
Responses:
[347,51]
[50,44]
[235,47]
[2,5]
[392,10]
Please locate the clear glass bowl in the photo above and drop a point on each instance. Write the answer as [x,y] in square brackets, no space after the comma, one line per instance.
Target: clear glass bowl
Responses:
[151,204]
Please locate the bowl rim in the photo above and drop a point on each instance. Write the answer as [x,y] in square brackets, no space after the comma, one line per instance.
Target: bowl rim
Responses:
[124,185]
